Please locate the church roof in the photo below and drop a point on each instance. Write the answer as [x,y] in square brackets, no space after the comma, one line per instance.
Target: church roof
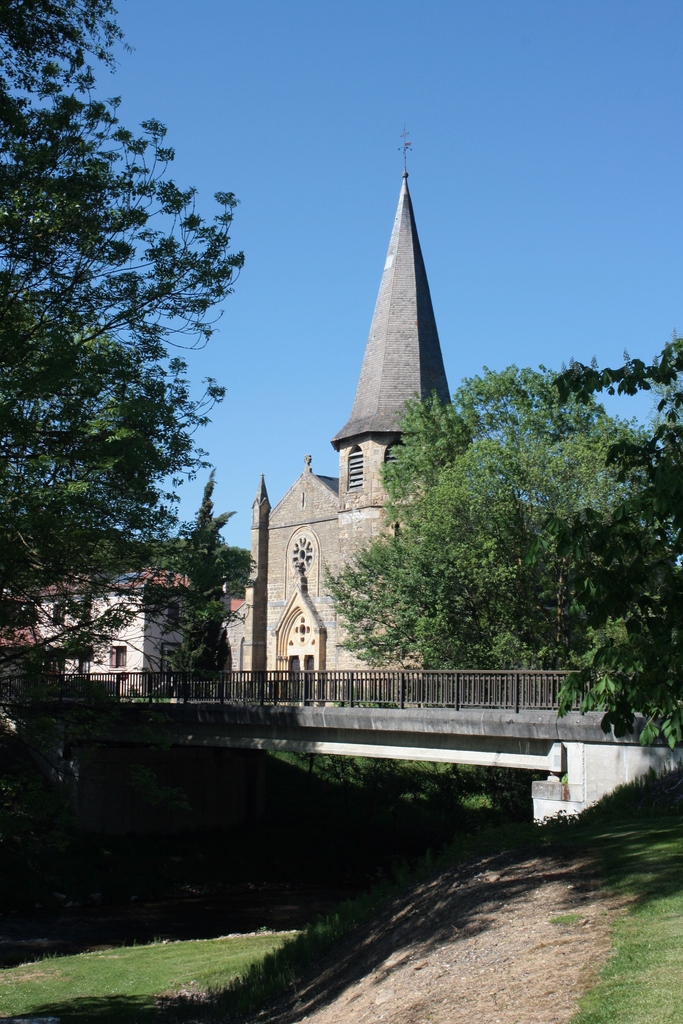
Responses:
[402,356]
[330,481]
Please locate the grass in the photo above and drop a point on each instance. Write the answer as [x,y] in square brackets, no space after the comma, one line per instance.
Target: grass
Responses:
[641,984]
[643,981]
[240,974]
[279,970]
[644,862]
[120,985]
[643,859]
[566,919]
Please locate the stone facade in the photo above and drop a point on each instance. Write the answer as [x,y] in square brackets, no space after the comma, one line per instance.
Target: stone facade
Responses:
[288,620]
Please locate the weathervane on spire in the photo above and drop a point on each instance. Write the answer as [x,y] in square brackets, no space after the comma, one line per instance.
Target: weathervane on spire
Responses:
[406,146]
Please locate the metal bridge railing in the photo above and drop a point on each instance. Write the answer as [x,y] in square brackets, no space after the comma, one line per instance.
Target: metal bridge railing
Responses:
[509,689]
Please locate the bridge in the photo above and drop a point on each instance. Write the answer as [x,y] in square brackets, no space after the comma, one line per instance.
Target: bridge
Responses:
[505,718]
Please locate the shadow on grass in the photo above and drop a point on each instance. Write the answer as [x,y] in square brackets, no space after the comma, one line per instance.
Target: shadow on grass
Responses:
[106,1010]
[643,858]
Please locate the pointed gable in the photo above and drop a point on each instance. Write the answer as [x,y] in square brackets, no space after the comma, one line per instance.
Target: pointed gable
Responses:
[310,499]
[403,355]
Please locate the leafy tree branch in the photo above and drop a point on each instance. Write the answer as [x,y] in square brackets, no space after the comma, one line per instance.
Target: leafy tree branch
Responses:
[466,574]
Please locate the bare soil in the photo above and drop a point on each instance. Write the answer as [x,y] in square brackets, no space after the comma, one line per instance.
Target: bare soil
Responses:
[477,945]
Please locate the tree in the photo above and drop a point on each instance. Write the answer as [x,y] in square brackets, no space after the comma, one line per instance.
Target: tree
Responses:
[628,565]
[466,574]
[104,263]
[211,569]
[45,43]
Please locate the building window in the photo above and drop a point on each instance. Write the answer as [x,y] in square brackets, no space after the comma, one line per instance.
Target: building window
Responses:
[173,613]
[355,469]
[56,662]
[390,453]
[302,555]
[167,652]
[301,629]
[118,657]
[58,614]
[84,663]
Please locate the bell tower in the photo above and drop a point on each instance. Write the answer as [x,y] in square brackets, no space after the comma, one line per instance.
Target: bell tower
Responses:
[402,361]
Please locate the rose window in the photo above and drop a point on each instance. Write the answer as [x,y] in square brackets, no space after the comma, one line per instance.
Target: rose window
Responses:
[302,555]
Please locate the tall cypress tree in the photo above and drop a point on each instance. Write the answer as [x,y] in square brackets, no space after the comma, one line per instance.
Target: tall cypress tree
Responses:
[210,568]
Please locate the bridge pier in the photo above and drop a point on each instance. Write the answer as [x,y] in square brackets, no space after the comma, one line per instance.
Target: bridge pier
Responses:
[592,770]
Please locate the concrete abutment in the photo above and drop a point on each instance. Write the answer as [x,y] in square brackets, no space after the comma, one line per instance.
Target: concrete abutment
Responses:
[592,770]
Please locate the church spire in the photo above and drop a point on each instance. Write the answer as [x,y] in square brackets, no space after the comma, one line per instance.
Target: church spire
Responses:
[261,492]
[402,355]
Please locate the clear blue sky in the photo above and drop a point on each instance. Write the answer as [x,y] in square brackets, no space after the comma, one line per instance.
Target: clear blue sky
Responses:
[546,179]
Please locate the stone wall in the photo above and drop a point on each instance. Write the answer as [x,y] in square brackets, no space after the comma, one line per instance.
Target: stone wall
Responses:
[303,531]
[317,526]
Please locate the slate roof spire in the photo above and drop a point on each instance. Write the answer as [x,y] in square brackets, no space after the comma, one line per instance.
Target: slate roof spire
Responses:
[403,355]
[261,492]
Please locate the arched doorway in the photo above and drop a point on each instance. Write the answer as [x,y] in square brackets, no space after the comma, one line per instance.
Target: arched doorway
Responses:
[300,643]
[300,637]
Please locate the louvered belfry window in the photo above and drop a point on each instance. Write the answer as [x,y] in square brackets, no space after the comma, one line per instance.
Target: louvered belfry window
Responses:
[355,469]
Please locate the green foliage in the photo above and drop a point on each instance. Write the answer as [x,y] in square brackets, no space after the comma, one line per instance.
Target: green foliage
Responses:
[628,564]
[33,817]
[45,43]
[149,789]
[423,791]
[468,576]
[210,568]
[314,831]
[104,262]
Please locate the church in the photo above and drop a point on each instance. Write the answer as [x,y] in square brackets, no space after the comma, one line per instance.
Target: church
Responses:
[288,620]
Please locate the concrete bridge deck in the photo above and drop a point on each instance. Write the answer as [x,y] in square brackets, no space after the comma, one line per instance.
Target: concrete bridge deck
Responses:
[506,718]
[582,762]
[524,739]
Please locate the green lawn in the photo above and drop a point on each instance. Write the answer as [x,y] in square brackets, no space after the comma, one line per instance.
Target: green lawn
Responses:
[643,982]
[118,986]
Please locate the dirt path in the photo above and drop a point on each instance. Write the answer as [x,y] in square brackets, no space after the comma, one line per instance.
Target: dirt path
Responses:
[477,945]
